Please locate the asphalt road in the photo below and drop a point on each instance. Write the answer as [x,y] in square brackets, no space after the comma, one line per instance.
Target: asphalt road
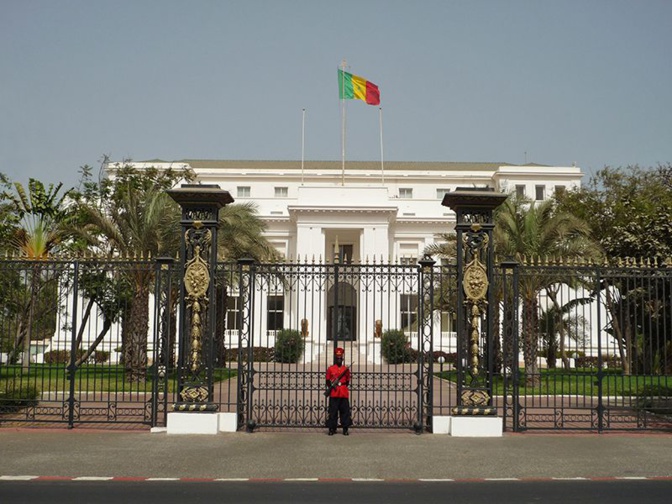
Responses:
[504,492]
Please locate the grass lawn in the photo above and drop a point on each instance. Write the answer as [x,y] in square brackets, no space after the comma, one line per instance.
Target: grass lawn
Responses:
[584,382]
[89,377]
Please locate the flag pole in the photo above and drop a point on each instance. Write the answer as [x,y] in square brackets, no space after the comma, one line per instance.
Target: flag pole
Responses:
[342,87]
[382,163]
[303,140]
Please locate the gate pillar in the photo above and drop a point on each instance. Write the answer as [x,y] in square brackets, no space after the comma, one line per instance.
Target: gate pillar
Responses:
[475,310]
[198,257]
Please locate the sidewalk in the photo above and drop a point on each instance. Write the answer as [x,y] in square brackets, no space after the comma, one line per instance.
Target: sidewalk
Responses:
[301,454]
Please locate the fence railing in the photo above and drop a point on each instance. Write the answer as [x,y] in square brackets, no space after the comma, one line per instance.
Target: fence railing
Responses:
[595,346]
[578,347]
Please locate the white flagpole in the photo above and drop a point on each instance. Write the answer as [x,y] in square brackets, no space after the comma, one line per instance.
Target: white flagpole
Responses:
[303,140]
[382,163]
[343,65]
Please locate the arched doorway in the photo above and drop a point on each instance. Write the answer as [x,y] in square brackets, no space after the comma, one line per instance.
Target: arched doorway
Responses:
[342,304]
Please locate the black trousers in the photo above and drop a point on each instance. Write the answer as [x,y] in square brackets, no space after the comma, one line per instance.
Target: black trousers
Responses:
[339,406]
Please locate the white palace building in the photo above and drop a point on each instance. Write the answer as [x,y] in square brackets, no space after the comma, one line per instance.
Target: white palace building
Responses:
[368,213]
[371,211]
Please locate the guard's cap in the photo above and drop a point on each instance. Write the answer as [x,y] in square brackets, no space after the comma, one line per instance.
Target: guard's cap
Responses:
[339,352]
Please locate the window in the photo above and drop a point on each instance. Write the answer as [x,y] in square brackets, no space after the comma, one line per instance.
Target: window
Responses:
[232,309]
[281,192]
[276,309]
[540,192]
[345,254]
[406,193]
[447,322]
[559,190]
[408,311]
[243,191]
[520,191]
[440,193]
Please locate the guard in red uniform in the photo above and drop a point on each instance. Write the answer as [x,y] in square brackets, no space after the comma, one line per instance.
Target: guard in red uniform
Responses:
[338,379]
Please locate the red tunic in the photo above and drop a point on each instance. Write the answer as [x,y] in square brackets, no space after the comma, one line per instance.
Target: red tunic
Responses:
[332,374]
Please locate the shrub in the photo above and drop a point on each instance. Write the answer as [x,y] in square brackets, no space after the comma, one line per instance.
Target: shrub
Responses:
[449,359]
[395,347]
[289,346]
[655,398]
[101,356]
[12,399]
[611,362]
[259,354]
[60,356]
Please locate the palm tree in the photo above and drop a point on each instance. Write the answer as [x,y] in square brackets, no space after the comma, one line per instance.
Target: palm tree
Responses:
[241,234]
[41,227]
[133,223]
[526,230]
[131,215]
[557,325]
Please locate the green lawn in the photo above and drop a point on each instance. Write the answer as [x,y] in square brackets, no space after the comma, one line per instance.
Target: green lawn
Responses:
[584,382]
[90,377]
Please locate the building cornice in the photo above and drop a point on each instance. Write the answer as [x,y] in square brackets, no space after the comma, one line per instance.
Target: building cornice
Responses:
[298,209]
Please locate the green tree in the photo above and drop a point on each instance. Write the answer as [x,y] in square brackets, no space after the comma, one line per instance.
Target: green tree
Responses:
[9,218]
[110,291]
[633,207]
[241,234]
[129,215]
[527,230]
[38,228]
[558,324]
[42,218]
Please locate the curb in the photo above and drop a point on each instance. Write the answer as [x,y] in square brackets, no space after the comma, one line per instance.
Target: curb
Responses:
[323,480]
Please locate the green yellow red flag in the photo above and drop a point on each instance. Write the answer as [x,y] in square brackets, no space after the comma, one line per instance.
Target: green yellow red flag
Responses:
[354,87]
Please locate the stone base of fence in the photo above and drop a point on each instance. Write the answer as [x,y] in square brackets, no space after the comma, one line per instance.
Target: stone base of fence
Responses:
[468,426]
[192,423]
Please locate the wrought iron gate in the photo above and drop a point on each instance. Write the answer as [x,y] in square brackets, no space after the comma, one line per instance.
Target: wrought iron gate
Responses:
[326,306]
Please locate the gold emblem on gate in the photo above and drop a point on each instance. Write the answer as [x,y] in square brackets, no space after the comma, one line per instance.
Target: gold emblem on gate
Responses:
[475,282]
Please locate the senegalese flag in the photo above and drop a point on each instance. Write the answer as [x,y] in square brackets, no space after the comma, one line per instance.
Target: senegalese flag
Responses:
[354,87]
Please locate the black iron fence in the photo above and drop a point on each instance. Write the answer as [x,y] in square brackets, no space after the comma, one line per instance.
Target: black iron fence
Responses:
[91,342]
[595,345]
[62,342]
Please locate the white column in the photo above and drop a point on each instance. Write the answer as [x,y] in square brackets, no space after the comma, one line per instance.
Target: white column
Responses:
[311,245]
[310,242]
[374,242]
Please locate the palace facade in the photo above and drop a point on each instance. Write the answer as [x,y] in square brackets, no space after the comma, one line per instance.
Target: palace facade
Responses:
[366,211]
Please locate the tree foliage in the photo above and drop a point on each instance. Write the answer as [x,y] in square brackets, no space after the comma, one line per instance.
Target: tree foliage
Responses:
[128,214]
[630,210]
[35,223]
[9,218]
[527,230]
[38,217]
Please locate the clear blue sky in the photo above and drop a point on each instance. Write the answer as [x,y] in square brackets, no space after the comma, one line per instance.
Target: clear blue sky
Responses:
[553,82]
